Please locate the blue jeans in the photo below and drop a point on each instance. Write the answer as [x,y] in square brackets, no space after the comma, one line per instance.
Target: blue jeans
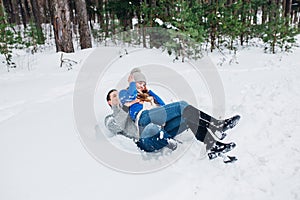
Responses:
[153,138]
[170,116]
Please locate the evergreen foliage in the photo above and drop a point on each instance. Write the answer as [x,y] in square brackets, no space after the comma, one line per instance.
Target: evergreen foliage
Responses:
[187,28]
[9,40]
[32,37]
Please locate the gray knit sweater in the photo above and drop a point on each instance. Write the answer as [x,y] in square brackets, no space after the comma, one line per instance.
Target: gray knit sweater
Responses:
[119,122]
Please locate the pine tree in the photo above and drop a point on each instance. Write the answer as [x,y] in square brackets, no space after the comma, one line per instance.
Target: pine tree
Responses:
[276,32]
[8,40]
[84,32]
[62,25]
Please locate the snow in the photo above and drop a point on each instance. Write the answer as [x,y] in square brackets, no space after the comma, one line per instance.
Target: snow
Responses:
[42,155]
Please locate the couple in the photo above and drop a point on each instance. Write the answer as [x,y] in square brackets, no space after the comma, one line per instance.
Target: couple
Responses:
[141,114]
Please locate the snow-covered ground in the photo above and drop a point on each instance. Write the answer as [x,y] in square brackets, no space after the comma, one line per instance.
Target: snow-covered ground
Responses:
[42,156]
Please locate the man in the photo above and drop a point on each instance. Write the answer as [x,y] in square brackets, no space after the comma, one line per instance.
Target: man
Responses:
[119,121]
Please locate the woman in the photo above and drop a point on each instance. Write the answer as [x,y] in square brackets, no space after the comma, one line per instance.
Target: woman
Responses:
[173,118]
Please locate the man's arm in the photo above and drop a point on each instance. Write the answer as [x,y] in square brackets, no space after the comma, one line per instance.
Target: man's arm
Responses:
[112,125]
[120,123]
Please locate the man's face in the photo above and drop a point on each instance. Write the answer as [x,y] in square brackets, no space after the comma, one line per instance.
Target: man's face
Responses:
[114,98]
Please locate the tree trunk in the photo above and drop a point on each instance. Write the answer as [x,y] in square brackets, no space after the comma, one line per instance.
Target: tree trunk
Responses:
[264,14]
[62,25]
[8,11]
[100,13]
[15,11]
[106,19]
[24,13]
[84,32]
[48,11]
[73,17]
[42,9]
[11,11]
[38,23]
[1,12]
[287,8]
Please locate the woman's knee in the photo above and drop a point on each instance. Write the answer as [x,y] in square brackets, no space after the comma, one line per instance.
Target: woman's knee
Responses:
[183,104]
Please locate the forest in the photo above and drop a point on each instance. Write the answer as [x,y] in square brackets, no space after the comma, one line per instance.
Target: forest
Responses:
[183,27]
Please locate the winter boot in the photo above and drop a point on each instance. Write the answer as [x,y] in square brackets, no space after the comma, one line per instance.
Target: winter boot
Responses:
[172,144]
[230,123]
[220,147]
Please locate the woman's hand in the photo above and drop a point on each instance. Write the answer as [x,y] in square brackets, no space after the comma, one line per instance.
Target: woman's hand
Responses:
[128,104]
[130,78]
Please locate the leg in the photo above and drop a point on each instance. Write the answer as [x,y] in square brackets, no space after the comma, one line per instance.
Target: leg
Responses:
[196,116]
[150,130]
[193,115]
[162,114]
[175,126]
[202,134]
[178,125]
[152,138]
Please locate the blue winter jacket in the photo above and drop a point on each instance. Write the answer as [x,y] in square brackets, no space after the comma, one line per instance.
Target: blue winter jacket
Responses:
[131,94]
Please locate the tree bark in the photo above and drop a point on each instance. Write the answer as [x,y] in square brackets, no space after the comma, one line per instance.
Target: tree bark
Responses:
[41,7]
[99,4]
[62,25]
[8,10]
[1,12]
[15,11]
[37,18]
[287,7]
[106,27]
[264,14]
[24,13]
[84,32]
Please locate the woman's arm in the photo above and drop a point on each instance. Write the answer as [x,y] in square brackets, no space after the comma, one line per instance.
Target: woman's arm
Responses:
[157,99]
[129,94]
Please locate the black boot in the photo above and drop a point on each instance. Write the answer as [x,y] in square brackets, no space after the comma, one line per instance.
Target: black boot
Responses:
[220,147]
[203,134]
[218,127]
[230,123]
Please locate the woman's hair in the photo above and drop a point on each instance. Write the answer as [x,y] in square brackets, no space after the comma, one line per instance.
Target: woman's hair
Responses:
[145,96]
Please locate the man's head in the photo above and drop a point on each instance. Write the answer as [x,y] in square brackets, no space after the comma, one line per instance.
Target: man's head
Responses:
[112,98]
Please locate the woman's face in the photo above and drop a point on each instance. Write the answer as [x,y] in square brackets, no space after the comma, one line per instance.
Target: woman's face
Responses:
[140,86]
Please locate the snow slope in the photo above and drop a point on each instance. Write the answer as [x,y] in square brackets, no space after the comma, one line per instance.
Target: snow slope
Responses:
[42,156]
